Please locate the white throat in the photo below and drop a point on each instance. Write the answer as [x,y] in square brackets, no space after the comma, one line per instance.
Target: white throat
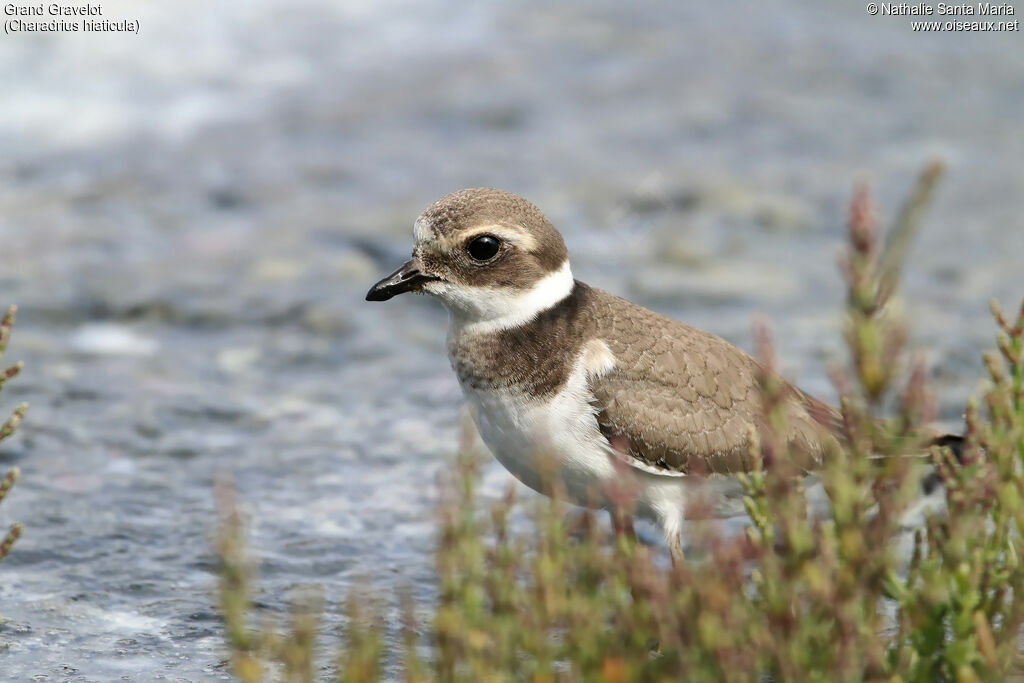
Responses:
[481,310]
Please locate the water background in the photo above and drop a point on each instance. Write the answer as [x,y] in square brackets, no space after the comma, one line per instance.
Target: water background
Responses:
[190,218]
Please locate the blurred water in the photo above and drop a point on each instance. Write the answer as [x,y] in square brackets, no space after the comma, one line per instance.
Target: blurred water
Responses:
[190,218]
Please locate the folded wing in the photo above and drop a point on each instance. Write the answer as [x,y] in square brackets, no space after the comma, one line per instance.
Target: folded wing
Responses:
[698,396]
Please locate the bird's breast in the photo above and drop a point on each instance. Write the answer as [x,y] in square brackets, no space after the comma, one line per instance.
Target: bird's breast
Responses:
[542,436]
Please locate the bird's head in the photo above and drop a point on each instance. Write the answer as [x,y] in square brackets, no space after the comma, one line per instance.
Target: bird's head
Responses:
[490,256]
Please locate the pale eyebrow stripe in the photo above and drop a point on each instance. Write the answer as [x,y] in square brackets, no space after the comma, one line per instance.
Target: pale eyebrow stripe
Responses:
[518,237]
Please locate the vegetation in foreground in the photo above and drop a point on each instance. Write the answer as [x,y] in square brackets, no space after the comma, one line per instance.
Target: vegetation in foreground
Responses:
[793,599]
[8,427]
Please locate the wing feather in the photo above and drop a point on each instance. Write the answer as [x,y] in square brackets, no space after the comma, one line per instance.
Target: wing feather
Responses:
[697,392]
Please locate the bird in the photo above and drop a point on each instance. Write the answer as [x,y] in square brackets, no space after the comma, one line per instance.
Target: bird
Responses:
[567,378]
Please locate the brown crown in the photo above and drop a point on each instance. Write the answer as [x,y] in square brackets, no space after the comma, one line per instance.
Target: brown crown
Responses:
[478,206]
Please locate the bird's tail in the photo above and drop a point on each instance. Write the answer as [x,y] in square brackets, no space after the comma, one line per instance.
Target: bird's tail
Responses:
[955,443]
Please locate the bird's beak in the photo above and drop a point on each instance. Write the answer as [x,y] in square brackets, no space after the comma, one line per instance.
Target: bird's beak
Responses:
[406,279]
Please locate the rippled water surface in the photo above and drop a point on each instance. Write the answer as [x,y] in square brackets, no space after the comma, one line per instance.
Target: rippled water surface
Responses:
[190,219]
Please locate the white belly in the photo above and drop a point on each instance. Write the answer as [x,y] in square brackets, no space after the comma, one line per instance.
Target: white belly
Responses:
[543,442]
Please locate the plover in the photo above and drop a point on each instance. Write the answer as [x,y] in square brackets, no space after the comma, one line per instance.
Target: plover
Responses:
[564,377]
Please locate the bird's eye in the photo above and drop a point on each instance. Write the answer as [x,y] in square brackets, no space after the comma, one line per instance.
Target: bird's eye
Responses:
[483,248]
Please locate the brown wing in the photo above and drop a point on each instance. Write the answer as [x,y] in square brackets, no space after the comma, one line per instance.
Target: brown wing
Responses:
[698,393]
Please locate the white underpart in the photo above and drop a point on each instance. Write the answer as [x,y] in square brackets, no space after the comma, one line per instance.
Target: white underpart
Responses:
[596,359]
[485,309]
[536,438]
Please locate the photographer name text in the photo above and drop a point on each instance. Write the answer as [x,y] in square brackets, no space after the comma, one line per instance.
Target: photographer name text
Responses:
[945,9]
[934,17]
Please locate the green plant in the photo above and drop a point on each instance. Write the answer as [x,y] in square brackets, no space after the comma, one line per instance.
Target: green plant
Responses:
[8,427]
[961,604]
[257,652]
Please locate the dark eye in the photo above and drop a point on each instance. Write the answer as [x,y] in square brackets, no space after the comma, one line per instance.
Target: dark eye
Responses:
[483,248]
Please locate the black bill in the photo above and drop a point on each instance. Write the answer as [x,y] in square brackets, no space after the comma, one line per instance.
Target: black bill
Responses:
[408,278]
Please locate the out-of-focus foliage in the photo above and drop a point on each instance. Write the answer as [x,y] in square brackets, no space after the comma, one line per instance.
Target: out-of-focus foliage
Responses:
[8,427]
